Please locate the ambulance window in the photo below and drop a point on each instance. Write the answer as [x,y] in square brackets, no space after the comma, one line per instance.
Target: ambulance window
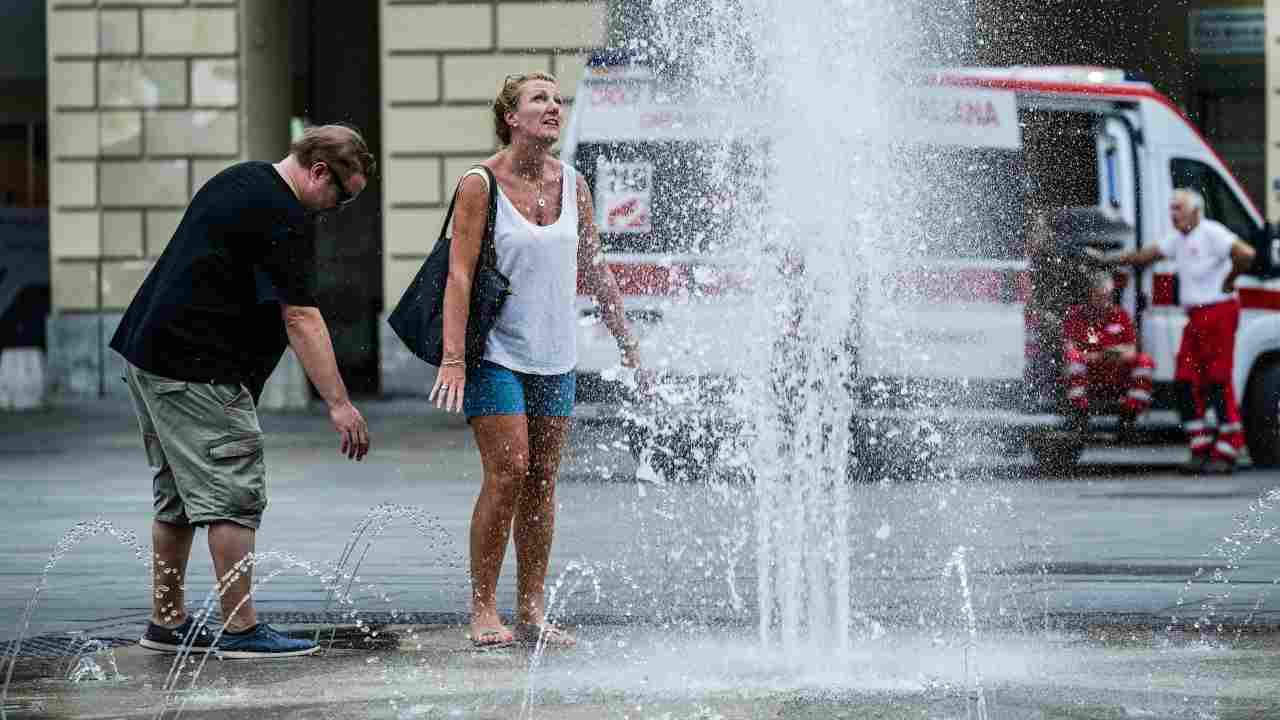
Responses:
[1220,202]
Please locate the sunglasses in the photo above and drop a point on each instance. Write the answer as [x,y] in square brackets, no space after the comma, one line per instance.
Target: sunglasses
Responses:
[344,196]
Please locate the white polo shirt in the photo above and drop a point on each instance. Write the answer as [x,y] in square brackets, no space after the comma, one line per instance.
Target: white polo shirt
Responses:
[1203,261]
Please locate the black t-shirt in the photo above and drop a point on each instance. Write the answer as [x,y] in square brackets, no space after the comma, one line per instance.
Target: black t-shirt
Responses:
[209,311]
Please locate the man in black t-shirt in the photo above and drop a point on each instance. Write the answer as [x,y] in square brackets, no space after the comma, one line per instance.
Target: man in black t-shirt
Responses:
[231,291]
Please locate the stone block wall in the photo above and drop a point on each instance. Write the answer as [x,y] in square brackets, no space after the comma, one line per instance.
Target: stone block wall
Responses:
[150,98]
[146,102]
[442,65]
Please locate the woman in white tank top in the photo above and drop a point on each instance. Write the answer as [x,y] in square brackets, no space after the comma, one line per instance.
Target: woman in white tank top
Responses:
[520,399]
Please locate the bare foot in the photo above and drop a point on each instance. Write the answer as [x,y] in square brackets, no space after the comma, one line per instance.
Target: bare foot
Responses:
[549,635]
[490,632]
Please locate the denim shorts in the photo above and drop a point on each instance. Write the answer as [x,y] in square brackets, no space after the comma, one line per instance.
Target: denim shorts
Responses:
[495,390]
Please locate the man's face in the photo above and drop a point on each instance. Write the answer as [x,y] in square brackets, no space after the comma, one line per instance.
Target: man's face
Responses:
[1185,216]
[328,189]
[1100,296]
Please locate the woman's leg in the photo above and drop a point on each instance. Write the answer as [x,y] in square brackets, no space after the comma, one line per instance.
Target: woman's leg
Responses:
[503,441]
[535,517]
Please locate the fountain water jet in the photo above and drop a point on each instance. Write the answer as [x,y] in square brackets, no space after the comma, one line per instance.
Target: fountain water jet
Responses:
[73,537]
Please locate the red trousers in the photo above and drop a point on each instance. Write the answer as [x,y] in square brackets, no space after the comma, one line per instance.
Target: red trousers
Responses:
[1206,359]
[1126,380]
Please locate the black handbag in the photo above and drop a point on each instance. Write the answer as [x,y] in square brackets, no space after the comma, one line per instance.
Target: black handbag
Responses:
[419,316]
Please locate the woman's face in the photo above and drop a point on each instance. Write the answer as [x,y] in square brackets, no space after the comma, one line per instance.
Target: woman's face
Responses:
[538,113]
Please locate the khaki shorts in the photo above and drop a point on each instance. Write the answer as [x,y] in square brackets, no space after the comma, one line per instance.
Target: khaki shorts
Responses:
[205,444]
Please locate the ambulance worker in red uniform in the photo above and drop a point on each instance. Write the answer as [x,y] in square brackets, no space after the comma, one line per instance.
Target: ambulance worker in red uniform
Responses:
[1208,257]
[1102,358]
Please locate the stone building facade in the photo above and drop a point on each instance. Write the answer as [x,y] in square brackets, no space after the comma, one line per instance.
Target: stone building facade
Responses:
[441,67]
[147,99]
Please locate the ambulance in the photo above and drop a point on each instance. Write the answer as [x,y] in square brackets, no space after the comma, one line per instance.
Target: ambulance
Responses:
[969,348]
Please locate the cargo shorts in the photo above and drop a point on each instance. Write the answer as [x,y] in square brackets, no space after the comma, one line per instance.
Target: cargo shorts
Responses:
[205,445]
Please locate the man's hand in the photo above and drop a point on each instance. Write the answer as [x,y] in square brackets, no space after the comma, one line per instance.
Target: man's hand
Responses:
[350,425]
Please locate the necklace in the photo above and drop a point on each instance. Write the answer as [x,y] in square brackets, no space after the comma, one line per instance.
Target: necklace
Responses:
[540,201]
[542,181]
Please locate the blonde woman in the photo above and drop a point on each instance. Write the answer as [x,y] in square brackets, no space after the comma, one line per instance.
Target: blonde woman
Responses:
[519,400]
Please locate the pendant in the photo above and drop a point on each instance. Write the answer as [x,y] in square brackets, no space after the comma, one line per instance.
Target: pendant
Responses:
[542,202]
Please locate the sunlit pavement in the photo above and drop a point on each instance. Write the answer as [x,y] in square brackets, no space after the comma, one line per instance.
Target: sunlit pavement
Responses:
[1075,580]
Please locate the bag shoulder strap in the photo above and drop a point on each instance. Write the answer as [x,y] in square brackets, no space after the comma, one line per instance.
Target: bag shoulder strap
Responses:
[477,170]
[488,251]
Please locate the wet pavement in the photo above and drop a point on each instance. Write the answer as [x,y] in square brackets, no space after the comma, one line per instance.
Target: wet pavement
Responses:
[430,672]
[1076,582]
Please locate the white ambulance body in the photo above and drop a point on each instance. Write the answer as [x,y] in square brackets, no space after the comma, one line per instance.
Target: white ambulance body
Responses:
[1094,142]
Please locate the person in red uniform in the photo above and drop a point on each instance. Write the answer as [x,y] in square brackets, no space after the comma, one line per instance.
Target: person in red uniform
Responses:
[1102,358]
[1208,257]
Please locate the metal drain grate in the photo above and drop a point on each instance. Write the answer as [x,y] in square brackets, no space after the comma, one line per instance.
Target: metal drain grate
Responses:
[334,617]
[56,646]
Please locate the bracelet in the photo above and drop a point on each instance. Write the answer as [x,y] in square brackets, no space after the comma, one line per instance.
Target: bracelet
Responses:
[629,344]
[452,363]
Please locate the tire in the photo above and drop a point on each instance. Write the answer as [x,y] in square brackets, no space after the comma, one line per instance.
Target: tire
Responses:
[894,451]
[1057,452]
[869,460]
[684,448]
[1262,416]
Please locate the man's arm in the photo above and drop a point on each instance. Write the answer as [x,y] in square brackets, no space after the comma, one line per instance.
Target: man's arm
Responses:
[1242,255]
[309,338]
[1137,258]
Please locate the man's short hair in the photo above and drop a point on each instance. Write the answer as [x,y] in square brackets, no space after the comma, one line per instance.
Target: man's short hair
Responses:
[339,145]
[1192,196]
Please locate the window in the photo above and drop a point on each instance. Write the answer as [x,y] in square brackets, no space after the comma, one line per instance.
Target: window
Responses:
[959,201]
[1220,202]
[668,196]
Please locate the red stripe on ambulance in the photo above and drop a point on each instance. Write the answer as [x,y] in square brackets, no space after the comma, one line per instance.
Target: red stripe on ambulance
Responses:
[1251,298]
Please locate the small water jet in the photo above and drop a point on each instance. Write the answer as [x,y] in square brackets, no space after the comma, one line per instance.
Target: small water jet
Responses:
[86,656]
[972,673]
[373,525]
[579,573]
[80,532]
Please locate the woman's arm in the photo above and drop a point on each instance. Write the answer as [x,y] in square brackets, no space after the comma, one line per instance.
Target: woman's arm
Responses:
[599,280]
[469,219]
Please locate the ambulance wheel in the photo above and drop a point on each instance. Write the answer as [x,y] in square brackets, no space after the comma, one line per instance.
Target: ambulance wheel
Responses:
[682,449]
[1056,453]
[1262,416]
[870,459]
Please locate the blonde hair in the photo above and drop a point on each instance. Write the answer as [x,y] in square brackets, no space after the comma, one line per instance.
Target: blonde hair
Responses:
[338,145]
[508,100]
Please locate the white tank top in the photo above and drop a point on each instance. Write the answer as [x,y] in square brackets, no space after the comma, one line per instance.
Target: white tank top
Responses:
[536,332]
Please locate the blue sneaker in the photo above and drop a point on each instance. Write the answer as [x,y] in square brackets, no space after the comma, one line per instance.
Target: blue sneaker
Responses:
[263,641]
[163,639]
